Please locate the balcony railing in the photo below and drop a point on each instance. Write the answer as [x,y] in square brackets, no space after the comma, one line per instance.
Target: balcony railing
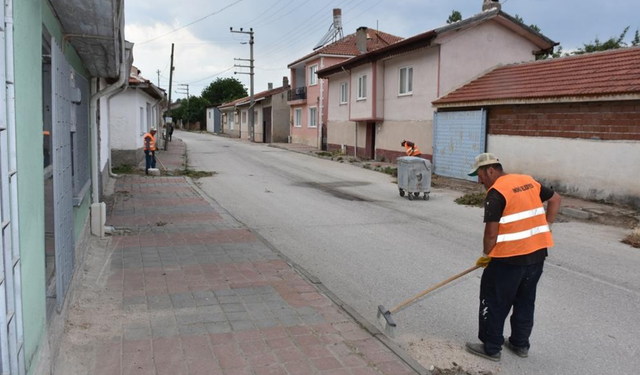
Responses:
[299,93]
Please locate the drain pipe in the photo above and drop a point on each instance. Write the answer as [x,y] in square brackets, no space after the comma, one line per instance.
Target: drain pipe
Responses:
[98,209]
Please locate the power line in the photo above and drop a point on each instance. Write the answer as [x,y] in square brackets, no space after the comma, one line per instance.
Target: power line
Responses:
[282,16]
[196,21]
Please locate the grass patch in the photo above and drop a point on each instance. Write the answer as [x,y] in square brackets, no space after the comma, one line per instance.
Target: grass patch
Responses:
[390,171]
[633,239]
[196,174]
[472,199]
[366,166]
[324,154]
[123,169]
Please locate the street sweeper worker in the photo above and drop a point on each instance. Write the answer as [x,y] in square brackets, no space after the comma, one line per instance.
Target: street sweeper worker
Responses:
[149,147]
[410,148]
[516,237]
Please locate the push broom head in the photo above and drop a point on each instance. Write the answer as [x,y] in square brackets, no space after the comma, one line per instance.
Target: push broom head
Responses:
[385,319]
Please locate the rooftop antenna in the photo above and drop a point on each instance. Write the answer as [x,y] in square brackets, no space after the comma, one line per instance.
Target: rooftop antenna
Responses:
[335,30]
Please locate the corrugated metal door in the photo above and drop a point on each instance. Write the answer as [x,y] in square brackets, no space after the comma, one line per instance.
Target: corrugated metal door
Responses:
[62,170]
[11,333]
[458,138]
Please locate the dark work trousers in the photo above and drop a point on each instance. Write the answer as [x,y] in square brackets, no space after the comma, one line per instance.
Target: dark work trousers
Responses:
[170,135]
[504,286]
[150,160]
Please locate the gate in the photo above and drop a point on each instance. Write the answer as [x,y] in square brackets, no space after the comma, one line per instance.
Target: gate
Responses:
[11,333]
[62,170]
[458,138]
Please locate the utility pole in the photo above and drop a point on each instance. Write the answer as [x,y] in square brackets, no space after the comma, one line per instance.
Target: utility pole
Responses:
[250,66]
[158,71]
[171,68]
[184,89]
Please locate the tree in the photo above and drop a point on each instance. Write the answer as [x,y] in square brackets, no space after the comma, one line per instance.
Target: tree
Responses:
[597,45]
[454,17]
[224,90]
[636,39]
[191,110]
[533,25]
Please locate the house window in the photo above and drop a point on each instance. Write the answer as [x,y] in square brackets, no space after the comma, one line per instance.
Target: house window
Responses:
[244,117]
[313,117]
[362,87]
[297,118]
[406,81]
[231,118]
[209,114]
[344,92]
[313,78]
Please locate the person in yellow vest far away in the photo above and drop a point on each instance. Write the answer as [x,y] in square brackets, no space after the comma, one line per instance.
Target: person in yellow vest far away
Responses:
[410,148]
[149,147]
[517,234]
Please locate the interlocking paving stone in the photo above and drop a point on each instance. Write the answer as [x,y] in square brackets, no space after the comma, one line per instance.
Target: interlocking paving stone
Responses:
[201,295]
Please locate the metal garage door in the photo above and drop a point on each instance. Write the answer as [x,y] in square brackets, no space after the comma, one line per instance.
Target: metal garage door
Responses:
[62,170]
[458,138]
[11,332]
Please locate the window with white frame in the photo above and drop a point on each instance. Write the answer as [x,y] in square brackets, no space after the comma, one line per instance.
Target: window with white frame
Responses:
[405,84]
[297,117]
[362,87]
[313,77]
[231,120]
[244,117]
[313,117]
[344,93]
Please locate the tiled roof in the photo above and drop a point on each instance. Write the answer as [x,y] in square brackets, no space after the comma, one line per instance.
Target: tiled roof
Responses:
[347,45]
[595,74]
[260,95]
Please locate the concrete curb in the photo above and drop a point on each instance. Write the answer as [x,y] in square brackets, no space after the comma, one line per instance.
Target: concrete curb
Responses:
[576,213]
[365,324]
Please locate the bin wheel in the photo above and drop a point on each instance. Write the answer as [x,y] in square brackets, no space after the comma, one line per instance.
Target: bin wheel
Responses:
[410,196]
[425,197]
[401,192]
[416,195]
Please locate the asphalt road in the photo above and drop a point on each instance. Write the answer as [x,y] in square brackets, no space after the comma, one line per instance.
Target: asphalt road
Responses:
[349,227]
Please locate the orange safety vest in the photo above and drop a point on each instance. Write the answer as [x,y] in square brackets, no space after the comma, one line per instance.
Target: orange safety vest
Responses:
[152,142]
[523,227]
[411,150]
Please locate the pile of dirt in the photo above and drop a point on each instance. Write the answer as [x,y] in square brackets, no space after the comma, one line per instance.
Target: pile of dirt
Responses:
[633,239]
[456,370]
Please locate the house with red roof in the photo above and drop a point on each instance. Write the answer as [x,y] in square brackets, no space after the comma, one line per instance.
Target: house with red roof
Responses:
[309,94]
[382,97]
[571,122]
[131,114]
[271,116]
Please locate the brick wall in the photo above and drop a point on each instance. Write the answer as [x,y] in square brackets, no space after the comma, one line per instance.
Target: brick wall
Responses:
[593,120]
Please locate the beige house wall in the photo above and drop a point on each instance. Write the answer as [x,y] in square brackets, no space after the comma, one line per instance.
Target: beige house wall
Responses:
[469,53]
[361,108]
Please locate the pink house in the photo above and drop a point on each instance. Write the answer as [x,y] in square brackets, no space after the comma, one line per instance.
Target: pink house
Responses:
[308,95]
[377,99]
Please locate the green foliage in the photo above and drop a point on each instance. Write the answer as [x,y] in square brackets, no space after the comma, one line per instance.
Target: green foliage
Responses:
[224,90]
[191,110]
[454,17]
[195,174]
[636,39]
[597,45]
[123,169]
[472,199]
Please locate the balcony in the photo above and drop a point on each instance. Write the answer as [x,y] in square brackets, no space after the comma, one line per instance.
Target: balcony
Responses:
[297,95]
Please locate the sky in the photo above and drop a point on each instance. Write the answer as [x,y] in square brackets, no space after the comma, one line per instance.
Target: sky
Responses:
[286,30]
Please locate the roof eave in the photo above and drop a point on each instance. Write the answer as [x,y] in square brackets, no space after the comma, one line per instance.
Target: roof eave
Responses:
[538,100]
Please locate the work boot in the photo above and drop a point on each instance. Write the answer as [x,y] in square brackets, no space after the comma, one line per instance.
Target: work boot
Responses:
[478,349]
[519,351]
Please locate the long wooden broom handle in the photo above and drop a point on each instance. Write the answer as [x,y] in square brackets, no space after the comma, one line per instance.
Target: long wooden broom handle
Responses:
[443,283]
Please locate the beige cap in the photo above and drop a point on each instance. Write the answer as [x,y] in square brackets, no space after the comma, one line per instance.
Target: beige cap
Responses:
[481,161]
[153,129]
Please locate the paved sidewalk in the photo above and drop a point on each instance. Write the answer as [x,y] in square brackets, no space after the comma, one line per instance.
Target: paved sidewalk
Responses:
[190,291]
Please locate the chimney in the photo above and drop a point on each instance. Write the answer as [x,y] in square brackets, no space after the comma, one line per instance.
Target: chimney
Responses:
[490,4]
[361,39]
[270,86]
[285,81]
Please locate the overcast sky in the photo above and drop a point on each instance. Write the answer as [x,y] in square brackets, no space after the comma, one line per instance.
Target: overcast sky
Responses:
[286,30]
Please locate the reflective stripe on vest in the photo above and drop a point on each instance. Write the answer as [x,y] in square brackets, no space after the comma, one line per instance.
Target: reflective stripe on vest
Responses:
[411,151]
[523,227]
[152,142]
